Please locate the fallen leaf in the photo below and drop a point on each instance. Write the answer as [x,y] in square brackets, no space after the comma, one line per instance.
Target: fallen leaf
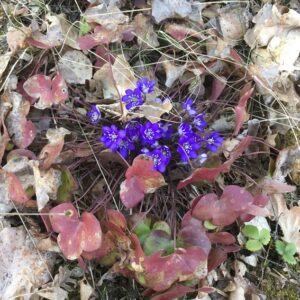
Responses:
[4,60]
[173,72]
[109,16]
[46,91]
[59,32]
[46,184]
[67,187]
[240,110]
[51,151]
[21,131]
[141,179]
[289,222]
[86,290]
[75,235]
[146,36]
[75,67]
[175,291]
[16,38]
[22,268]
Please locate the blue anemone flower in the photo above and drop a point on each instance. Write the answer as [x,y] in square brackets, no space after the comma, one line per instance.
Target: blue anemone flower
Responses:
[145,85]
[199,122]
[166,130]
[94,114]
[125,146]
[184,129]
[133,130]
[188,106]
[112,137]
[133,98]
[188,147]
[161,157]
[150,133]
[213,141]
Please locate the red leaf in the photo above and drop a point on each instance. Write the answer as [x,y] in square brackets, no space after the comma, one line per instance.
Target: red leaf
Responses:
[240,109]
[216,257]
[15,189]
[224,238]
[186,264]
[217,88]
[175,291]
[116,218]
[48,92]
[75,236]
[141,178]
[210,174]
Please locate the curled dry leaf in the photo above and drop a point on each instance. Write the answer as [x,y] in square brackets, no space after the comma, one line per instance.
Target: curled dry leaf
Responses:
[289,222]
[52,150]
[46,184]
[21,131]
[59,32]
[210,174]
[16,38]
[75,67]
[4,138]
[47,91]
[153,110]
[141,179]
[241,114]
[173,72]
[116,78]
[22,268]
[75,234]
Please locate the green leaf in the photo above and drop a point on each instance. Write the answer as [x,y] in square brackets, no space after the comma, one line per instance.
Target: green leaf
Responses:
[209,225]
[84,27]
[253,245]
[142,228]
[289,259]
[251,231]
[280,247]
[162,225]
[290,249]
[265,236]
[67,187]
[158,240]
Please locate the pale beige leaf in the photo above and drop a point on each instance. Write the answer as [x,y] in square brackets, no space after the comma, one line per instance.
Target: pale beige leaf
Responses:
[16,38]
[173,72]
[4,60]
[75,67]
[85,290]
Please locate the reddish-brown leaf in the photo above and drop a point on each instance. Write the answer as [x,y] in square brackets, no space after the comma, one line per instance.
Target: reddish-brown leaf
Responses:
[48,92]
[210,174]
[224,238]
[15,189]
[218,86]
[240,109]
[174,292]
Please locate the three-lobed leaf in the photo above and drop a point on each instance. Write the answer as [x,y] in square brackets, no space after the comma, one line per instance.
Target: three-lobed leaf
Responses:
[253,245]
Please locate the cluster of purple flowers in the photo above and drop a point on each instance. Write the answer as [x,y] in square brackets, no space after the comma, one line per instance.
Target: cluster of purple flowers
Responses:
[156,139]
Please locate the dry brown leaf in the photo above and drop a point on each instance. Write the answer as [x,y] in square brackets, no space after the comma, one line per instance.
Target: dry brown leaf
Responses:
[289,222]
[75,67]
[116,78]
[109,16]
[4,60]
[173,72]
[147,38]
[22,269]
[46,184]
[16,38]
[86,290]
[52,150]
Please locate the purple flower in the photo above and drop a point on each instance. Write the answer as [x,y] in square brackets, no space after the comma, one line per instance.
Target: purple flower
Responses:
[125,146]
[161,157]
[184,129]
[133,98]
[133,130]
[188,147]
[213,141]
[150,133]
[166,130]
[145,85]
[112,137]
[188,106]
[94,114]
[199,122]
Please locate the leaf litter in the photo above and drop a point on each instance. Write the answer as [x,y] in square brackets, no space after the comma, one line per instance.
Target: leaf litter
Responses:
[165,137]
